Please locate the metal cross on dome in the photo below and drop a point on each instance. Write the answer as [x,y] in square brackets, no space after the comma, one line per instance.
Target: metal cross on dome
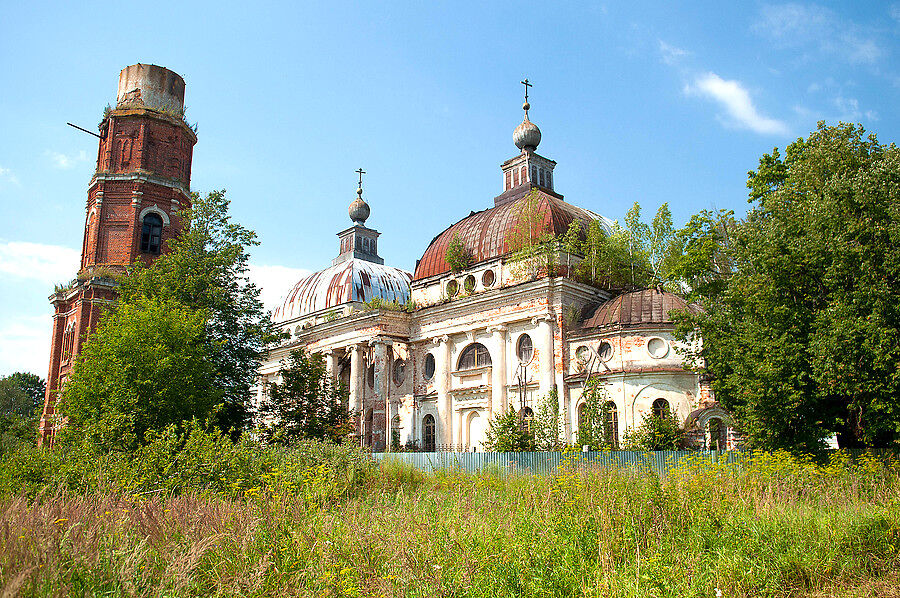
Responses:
[527,85]
[360,172]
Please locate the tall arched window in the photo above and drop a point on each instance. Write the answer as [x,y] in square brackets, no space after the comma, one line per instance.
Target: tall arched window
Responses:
[527,416]
[151,233]
[718,438]
[611,422]
[661,408]
[428,433]
[474,356]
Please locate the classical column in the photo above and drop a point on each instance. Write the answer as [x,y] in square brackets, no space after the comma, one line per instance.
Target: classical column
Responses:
[381,389]
[498,373]
[329,363]
[545,342]
[442,386]
[356,376]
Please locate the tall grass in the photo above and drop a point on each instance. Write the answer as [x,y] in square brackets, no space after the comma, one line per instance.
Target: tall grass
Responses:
[774,526]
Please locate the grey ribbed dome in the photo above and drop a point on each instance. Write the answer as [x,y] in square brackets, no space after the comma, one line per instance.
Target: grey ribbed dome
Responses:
[527,135]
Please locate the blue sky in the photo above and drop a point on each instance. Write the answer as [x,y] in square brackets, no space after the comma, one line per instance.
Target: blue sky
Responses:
[640,101]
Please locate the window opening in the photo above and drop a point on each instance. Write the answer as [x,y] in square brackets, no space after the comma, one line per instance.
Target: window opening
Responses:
[151,232]
[474,356]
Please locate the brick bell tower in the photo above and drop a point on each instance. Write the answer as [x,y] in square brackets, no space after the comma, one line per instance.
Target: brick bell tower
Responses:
[142,181]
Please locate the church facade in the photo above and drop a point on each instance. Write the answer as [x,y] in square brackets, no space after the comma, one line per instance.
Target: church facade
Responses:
[431,356]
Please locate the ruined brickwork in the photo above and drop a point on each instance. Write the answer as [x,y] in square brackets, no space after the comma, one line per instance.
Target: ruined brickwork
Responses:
[141,183]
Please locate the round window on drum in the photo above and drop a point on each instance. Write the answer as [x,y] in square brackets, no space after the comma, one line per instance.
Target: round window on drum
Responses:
[487,279]
[452,288]
[469,283]
[605,351]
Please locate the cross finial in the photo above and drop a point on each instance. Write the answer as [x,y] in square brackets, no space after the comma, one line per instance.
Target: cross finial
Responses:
[527,85]
[360,172]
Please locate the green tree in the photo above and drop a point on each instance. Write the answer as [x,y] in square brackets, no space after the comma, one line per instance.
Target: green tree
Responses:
[803,339]
[701,256]
[306,404]
[545,426]
[594,430]
[457,254]
[21,400]
[207,269]
[655,433]
[507,433]
[146,367]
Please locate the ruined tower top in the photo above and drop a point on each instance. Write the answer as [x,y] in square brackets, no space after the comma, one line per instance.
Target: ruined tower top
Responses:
[151,86]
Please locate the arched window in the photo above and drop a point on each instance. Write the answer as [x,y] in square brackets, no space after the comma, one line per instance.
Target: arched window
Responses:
[428,433]
[717,435]
[429,366]
[524,348]
[527,416]
[543,180]
[661,408]
[611,423]
[399,371]
[151,232]
[68,343]
[474,356]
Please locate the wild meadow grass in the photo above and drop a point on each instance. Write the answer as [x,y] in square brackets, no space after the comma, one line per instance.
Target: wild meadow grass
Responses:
[775,525]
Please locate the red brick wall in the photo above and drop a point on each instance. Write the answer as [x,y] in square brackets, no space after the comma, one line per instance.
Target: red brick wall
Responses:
[144,161]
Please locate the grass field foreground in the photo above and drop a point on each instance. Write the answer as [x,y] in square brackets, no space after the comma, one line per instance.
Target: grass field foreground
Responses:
[775,526]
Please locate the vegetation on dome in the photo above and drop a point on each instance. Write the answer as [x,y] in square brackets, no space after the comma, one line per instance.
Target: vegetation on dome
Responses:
[457,254]
[377,303]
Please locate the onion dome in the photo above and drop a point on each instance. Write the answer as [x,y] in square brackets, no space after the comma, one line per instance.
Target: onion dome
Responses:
[639,308]
[354,280]
[359,209]
[527,136]
[485,233]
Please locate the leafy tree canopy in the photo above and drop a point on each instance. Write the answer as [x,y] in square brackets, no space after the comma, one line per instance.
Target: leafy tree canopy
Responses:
[306,404]
[206,269]
[21,400]
[802,323]
[147,366]
[507,433]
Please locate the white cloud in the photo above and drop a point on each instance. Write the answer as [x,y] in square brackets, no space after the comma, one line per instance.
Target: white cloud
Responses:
[48,264]
[736,101]
[671,54]
[7,175]
[817,28]
[66,162]
[275,282]
[25,345]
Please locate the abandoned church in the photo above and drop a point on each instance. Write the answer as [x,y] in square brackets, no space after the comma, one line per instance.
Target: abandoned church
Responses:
[429,356]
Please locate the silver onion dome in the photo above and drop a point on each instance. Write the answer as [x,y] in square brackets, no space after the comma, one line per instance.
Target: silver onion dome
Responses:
[527,135]
[359,209]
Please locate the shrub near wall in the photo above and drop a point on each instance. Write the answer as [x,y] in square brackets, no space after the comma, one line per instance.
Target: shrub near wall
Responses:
[192,461]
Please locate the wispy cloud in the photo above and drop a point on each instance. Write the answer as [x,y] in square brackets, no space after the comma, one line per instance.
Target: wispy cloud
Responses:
[815,28]
[64,161]
[735,99]
[670,53]
[7,175]
[48,264]
[25,345]
[275,282]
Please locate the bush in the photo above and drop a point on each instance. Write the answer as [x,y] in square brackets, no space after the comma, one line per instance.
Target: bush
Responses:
[195,460]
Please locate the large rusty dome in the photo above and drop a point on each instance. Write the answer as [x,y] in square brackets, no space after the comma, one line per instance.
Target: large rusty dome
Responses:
[486,233]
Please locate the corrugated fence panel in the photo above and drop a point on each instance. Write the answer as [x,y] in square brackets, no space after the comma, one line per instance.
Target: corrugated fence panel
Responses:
[549,463]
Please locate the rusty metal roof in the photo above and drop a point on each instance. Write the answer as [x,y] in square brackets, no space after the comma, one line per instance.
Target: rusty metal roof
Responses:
[485,233]
[648,306]
[353,280]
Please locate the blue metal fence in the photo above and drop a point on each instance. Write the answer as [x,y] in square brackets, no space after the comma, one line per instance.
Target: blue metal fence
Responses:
[548,463]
